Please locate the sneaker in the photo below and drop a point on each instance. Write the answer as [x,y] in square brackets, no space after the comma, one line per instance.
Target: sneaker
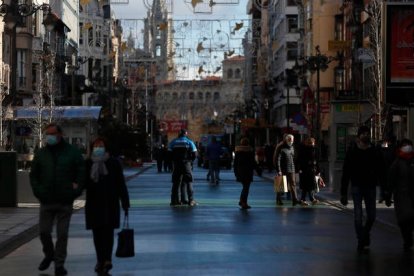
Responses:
[244,206]
[304,203]
[60,271]
[192,203]
[45,263]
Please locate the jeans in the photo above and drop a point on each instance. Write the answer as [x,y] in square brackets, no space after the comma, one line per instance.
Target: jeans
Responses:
[368,195]
[214,170]
[48,213]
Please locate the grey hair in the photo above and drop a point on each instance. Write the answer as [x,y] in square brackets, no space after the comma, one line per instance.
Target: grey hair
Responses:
[289,136]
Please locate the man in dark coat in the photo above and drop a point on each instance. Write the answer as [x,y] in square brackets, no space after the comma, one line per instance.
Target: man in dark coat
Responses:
[364,167]
[57,177]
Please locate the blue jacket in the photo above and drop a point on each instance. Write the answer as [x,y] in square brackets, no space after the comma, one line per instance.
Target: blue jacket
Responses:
[182,149]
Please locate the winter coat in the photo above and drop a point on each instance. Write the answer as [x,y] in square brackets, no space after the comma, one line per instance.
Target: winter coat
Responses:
[54,170]
[285,159]
[102,208]
[245,164]
[307,164]
[363,167]
[401,184]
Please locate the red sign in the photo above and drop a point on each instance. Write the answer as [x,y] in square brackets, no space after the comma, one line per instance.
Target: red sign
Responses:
[401,35]
[173,125]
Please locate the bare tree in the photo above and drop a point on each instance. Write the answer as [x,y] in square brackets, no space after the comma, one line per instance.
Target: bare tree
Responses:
[375,91]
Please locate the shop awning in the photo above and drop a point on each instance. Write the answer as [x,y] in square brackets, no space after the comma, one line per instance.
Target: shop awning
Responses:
[59,112]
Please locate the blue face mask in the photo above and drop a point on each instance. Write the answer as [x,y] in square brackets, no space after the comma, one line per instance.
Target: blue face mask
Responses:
[98,151]
[51,140]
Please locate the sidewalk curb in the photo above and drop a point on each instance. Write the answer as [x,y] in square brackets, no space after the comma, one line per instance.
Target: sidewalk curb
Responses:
[9,245]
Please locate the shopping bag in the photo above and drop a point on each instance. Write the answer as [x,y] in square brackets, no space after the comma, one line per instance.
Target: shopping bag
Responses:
[319,183]
[280,184]
[125,247]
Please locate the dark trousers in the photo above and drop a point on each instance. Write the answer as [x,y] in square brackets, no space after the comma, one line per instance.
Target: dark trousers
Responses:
[245,191]
[311,195]
[290,177]
[181,175]
[214,170]
[368,195]
[103,239]
[48,214]
[407,228]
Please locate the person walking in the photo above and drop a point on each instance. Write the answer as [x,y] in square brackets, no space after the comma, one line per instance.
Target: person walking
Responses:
[364,168]
[183,153]
[57,178]
[284,160]
[244,166]
[308,168]
[213,153]
[400,184]
[105,189]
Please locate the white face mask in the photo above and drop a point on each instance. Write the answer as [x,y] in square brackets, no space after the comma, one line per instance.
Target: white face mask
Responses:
[407,148]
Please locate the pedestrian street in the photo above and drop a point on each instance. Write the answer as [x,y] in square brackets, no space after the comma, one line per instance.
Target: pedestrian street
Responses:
[217,238]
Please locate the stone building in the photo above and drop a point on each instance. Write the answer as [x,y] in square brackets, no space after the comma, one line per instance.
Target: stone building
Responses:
[202,106]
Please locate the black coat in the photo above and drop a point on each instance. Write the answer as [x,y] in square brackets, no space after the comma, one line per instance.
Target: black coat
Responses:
[102,207]
[245,164]
[307,165]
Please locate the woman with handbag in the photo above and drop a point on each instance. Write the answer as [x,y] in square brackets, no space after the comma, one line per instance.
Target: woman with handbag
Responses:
[105,189]
[244,166]
[308,168]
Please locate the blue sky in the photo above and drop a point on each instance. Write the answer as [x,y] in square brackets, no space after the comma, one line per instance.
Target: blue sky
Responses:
[209,29]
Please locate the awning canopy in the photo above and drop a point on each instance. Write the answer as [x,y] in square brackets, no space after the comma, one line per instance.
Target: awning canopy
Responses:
[59,112]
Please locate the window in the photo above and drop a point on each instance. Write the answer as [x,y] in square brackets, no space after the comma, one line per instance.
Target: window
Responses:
[292,50]
[216,96]
[191,96]
[292,23]
[98,31]
[208,96]
[291,3]
[90,36]
[238,73]
[230,73]
[21,65]
[158,50]
[80,33]
[183,96]
[175,96]
[167,96]
[200,95]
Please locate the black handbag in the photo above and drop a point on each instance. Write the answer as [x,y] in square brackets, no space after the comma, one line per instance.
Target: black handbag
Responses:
[125,247]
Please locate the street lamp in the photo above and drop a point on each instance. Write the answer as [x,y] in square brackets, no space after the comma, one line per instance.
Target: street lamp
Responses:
[318,63]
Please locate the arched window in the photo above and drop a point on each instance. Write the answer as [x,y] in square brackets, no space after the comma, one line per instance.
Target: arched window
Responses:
[208,96]
[238,73]
[216,96]
[230,73]
[200,95]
